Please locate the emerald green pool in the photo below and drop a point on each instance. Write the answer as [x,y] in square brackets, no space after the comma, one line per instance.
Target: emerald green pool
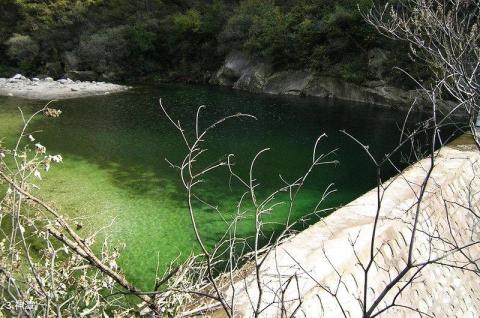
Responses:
[114,171]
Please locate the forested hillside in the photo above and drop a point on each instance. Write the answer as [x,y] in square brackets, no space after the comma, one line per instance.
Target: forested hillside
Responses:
[186,39]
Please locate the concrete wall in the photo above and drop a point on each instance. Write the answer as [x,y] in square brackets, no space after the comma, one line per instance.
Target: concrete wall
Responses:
[322,257]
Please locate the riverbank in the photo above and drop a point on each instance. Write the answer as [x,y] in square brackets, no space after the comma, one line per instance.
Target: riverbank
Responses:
[48,88]
[244,72]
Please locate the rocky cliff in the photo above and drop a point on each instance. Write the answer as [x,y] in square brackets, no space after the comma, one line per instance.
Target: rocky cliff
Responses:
[241,71]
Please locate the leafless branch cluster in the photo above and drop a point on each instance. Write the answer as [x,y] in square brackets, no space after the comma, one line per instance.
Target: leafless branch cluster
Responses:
[46,267]
[223,261]
[443,35]
[442,230]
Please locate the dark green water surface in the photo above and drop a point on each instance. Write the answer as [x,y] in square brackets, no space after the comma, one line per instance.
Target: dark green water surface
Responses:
[114,171]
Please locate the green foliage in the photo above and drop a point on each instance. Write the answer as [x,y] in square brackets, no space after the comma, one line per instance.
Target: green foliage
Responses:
[214,17]
[312,34]
[190,37]
[319,58]
[354,70]
[104,50]
[44,14]
[8,18]
[141,39]
[23,49]
[189,21]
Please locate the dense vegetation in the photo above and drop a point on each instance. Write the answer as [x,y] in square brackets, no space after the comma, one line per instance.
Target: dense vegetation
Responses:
[186,39]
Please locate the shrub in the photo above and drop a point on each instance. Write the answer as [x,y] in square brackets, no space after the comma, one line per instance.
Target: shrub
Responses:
[258,26]
[141,39]
[22,48]
[190,21]
[105,49]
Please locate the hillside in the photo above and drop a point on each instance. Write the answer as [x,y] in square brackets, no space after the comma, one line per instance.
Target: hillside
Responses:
[188,40]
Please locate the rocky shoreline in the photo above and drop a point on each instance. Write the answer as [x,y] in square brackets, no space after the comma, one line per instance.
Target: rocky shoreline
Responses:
[48,88]
[241,71]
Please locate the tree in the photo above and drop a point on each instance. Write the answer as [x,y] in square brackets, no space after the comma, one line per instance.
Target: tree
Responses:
[23,49]
[38,14]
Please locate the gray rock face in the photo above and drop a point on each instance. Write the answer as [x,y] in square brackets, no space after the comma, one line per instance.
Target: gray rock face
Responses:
[237,65]
[379,94]
[377,59]
[253,79]
[241,71]
[292,83]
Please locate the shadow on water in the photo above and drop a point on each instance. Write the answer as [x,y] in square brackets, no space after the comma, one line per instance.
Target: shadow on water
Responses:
[115,148]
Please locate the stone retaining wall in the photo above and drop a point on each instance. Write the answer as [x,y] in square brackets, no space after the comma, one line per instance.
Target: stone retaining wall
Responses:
[324,259]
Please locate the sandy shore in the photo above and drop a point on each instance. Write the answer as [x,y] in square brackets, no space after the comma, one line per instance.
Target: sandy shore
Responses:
[48,89]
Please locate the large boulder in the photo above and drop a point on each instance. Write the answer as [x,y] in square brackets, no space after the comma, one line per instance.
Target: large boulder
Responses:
[19,77]
[221,78]
[239,65]
[254,78]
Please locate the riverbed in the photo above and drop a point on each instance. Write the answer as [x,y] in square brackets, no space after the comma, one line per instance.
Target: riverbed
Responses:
[115,176]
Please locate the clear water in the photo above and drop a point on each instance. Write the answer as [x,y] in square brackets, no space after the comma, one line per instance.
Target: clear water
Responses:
[115,174]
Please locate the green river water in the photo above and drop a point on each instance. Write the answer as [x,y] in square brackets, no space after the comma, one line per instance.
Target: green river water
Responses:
[114,170]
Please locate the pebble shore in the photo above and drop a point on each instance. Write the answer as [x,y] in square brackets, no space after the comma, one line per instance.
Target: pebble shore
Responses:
[49,89]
